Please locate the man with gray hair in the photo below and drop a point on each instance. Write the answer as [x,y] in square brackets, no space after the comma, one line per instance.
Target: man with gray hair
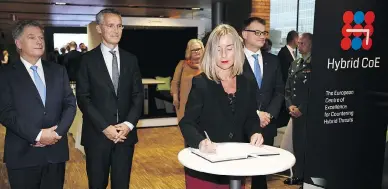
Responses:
[37,107]
[110,96]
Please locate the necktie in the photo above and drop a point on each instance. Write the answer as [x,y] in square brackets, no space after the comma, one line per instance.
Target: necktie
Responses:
[257,70]
[115,71]
[39,84]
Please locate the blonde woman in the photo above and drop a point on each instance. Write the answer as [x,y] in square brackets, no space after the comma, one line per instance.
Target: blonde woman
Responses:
[184,73]
[221,102]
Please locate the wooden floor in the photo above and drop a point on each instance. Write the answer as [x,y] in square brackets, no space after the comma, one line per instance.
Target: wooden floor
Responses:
[155,165]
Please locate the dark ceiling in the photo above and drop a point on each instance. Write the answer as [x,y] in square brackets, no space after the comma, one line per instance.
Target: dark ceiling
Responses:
[82,12]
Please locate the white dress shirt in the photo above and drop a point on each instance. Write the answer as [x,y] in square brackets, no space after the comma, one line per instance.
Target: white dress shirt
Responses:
[251,59]
[41,75]
[31,72]
[108,58]
[292,51]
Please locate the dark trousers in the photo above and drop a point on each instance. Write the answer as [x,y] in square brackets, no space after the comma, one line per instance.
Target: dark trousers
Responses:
[298,139]
[50,176]
[114,158]
[260,182]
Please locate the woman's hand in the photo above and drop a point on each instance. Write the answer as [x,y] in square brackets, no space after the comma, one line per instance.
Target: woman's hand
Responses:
[257,139]
[207,146]
[175,101]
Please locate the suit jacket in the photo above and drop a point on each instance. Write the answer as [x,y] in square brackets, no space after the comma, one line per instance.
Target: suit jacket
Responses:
[98,101]
[270,96]
[24,115]
[71,62]
[285,58]
[208,109]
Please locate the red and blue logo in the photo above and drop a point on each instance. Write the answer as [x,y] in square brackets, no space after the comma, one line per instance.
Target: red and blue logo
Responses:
[357,30]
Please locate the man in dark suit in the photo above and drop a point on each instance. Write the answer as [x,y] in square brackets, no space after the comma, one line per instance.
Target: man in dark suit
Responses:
[286,56]
[72,60]
[37,107]
[287,53]
[264,70]
[110,96]
[61,57]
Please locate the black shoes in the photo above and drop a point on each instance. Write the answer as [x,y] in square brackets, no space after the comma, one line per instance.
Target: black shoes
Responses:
[293,181]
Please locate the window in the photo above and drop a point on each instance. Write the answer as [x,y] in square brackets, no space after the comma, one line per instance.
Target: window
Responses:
[284,16]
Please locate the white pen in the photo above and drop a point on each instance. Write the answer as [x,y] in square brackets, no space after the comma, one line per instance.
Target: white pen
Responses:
[207,136]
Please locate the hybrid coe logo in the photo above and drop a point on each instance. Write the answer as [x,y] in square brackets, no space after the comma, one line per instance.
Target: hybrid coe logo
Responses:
[357,33]
[357,30]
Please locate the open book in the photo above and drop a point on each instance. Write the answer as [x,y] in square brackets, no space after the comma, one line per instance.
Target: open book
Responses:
[234,151]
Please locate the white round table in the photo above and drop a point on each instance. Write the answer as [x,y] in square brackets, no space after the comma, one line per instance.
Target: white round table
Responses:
[262,165]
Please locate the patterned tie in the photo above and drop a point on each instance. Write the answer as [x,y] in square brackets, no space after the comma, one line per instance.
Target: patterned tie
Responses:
[115,71]
[39,84]
[257,70]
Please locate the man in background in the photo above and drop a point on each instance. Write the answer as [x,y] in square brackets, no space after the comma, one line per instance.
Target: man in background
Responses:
[267,46]
[61,57]
[72,60]
[296,96]
[83,48]
[286,56]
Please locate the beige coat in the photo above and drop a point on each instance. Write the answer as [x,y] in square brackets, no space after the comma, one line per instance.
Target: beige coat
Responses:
[181,85]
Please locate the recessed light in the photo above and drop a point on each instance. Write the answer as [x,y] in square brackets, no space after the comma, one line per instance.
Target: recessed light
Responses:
[195,8]
[59,3]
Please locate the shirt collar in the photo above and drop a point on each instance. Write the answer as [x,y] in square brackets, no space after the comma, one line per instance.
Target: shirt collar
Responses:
[250,53]
[106,49]
[28,65]
[290,48]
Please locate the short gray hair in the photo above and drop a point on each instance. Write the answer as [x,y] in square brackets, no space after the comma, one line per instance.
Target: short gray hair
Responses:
[100,15]
[21,25]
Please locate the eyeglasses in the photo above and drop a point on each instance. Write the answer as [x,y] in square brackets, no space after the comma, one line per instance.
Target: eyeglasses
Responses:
[258,32]
[112,26]
[196,50]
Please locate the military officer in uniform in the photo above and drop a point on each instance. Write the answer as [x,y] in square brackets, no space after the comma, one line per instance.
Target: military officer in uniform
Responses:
[296,97]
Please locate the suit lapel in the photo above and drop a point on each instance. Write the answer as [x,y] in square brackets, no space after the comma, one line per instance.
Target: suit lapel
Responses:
[103,69]
[265,70]
[29,85]
[123,69]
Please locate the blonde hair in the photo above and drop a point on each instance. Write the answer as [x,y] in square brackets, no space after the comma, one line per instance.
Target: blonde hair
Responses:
[209,60]
[188,48]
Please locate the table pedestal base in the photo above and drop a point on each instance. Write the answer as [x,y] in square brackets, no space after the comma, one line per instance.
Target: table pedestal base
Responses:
[235,183]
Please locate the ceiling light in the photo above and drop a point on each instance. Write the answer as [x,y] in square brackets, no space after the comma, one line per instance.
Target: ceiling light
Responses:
[195,8]
[59,3]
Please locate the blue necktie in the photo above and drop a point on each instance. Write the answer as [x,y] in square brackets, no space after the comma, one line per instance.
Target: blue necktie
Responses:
[39,84]
[257,70]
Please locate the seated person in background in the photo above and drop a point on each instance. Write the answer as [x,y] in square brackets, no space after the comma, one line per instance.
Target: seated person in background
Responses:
[184,73]
[221,102]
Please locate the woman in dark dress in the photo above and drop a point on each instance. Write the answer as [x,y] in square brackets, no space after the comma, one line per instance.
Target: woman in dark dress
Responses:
[221,102]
